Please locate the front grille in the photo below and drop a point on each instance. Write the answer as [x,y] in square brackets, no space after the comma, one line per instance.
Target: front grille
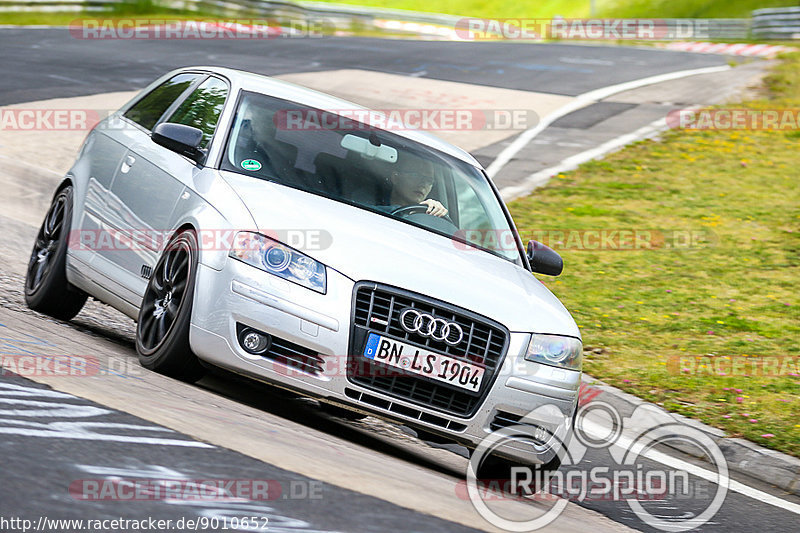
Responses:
[377,308]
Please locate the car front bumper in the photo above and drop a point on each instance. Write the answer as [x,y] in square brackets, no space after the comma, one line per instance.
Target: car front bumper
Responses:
[242,295]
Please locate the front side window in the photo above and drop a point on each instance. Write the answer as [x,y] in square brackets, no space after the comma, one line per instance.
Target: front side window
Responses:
[154,104]
[352,162]
[202,108]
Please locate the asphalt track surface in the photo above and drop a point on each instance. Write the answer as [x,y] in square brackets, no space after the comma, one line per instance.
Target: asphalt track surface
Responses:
[48,63]
[279,499]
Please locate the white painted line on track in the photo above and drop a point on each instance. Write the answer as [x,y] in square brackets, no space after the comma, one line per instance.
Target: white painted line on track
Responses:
[541,177]
[583,100]
[678,464]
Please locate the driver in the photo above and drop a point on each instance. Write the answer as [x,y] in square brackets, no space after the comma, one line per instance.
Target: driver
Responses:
[412,183]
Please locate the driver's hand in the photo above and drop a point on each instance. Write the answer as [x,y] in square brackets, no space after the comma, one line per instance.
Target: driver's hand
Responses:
[434,208]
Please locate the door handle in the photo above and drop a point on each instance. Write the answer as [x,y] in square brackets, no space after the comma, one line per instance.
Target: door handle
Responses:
[127,164]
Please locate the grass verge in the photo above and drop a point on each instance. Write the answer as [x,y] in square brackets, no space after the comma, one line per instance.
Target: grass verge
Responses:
[467,8]
[580,8]
[74,18]
[139,9]
[691,325]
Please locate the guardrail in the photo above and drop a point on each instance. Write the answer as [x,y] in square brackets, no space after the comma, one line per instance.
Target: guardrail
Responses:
[776,23]
[713,29]
[300,8]
[337,15]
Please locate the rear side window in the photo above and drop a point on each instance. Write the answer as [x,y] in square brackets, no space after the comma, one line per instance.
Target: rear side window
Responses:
[202,108]
[149,109]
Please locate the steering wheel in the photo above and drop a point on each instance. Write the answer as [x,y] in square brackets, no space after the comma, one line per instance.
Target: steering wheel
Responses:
[410,210]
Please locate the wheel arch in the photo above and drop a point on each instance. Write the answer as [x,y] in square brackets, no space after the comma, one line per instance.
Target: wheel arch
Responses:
[213,231]
[66,182]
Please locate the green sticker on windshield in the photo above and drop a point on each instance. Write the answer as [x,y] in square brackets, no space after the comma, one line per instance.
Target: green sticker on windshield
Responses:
[251,164]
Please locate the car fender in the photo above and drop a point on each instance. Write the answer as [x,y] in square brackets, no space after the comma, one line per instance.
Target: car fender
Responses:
[216,225]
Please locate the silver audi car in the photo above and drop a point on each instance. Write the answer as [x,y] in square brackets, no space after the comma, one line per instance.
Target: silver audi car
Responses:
[280,233]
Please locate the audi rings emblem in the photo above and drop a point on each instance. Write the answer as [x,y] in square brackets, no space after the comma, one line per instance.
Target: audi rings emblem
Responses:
[425,325]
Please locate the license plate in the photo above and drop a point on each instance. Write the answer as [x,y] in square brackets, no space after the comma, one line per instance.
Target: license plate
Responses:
[423,362]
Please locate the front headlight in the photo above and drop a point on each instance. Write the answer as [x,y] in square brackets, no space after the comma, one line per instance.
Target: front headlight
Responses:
[276,258]
[555,350]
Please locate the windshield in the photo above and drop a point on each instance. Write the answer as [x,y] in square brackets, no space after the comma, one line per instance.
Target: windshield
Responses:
[348,161]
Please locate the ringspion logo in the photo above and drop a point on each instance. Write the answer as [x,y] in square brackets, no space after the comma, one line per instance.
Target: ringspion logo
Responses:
[620,446]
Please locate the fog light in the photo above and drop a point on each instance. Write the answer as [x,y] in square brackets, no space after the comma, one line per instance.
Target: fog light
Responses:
[254,341]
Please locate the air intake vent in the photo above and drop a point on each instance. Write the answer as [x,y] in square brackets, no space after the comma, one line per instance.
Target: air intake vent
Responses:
[503,419]
[409,412]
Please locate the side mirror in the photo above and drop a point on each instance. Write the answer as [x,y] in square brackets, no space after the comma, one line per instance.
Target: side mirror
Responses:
[180,138]
[544,260]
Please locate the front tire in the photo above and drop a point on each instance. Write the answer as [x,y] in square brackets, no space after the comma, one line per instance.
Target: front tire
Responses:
[46,287]
[162,330]
[499,468]
[341,412]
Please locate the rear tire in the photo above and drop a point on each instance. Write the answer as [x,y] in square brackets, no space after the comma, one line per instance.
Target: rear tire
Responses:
[46,287]
[162,329]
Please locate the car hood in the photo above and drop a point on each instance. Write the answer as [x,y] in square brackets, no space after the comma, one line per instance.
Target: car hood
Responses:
[366,246]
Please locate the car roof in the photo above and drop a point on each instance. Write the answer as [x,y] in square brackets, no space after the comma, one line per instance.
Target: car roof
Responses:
[250,81]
